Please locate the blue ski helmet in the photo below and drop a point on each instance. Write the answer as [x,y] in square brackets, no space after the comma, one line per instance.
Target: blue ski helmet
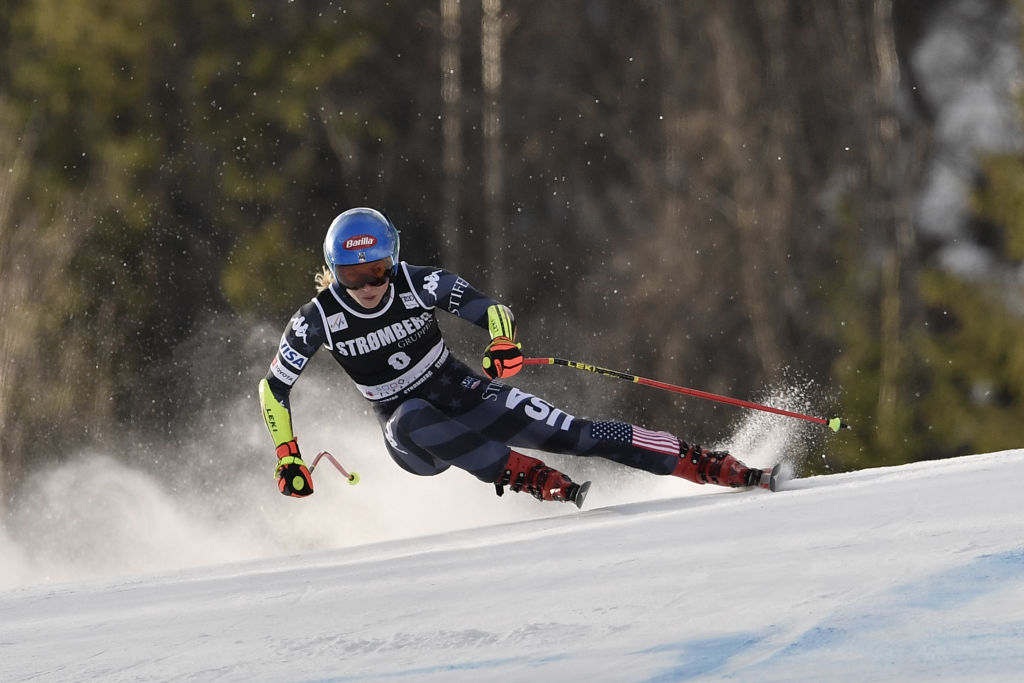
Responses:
[360,236]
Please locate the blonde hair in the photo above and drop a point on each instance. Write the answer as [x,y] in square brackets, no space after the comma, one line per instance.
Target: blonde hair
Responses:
[323,279]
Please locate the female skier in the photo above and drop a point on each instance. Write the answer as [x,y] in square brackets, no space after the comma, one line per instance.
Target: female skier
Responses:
[377,316]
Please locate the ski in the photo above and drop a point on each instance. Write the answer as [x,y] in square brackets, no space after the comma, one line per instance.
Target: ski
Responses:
[771,478]
[578,493]
[767,479]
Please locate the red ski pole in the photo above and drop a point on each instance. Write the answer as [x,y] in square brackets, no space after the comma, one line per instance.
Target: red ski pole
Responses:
[834,423]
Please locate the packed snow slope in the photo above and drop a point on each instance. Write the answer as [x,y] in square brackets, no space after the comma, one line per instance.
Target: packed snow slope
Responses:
[912,572]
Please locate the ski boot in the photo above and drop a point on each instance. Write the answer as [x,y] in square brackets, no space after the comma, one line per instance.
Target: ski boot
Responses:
[523,473]
[715,467]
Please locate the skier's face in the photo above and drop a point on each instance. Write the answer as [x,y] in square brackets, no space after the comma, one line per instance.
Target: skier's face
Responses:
[369,296]
[366,282]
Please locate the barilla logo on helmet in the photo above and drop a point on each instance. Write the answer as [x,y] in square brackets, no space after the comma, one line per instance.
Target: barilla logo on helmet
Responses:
[360,242]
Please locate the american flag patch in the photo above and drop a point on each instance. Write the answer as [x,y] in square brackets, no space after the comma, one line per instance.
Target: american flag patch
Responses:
[661,442]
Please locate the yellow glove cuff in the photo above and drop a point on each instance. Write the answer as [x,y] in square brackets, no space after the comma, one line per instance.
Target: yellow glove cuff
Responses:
[291,460]
[501,322]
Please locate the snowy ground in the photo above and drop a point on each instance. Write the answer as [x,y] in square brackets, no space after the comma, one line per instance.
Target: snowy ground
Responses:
[906,573]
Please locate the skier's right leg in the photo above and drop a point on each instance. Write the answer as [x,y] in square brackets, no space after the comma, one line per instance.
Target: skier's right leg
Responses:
[425,441]
[523,473]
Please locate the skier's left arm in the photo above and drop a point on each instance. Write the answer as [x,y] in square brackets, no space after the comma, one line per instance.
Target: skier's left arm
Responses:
[301,339]
[439,288]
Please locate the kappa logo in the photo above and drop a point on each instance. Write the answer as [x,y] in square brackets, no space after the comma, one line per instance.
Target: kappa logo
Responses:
[389,434]
[430,283]
[300,327]
[360,242]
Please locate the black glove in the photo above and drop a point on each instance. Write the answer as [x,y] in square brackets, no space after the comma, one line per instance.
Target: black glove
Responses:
[293,479]
[502,358]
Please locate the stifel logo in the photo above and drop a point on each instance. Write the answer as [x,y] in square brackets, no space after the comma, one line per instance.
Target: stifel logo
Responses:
[360,242]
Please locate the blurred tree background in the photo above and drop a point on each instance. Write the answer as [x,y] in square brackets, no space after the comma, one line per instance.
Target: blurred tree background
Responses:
[723,195]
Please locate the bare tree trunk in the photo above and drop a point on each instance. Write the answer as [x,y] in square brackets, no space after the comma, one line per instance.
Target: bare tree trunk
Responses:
[738,99]
[10,158]
[669,188]
[494,162]
[889,178]
[451,134]
[18,271]
[31,252]
[778,200]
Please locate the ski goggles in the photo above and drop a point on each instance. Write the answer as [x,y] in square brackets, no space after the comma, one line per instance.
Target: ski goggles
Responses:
[374,274]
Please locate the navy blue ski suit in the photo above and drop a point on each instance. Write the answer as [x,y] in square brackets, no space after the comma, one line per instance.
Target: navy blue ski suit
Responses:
[435,411]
